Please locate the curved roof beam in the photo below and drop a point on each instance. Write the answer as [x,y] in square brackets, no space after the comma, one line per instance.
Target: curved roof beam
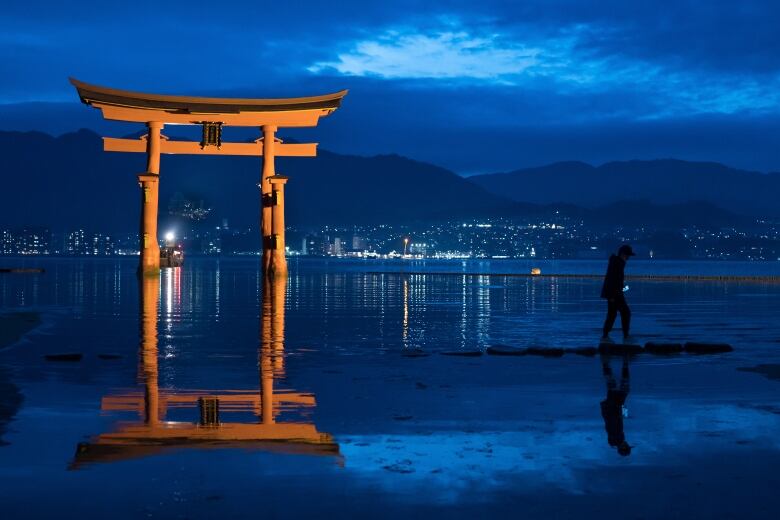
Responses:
[97,96]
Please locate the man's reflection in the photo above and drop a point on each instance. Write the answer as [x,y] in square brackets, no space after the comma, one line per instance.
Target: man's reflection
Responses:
[154,432]
[612,408]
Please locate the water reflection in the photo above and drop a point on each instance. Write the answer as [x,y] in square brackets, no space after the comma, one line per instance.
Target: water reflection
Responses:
[155,432]
[486,436]
[613,407]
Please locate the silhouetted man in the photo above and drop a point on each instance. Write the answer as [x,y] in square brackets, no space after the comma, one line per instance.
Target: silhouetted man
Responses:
[612,406]
[612,291]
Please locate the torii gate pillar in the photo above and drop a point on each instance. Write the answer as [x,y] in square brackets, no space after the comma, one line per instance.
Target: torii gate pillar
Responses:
[278,265]
[266,213]
[150,195]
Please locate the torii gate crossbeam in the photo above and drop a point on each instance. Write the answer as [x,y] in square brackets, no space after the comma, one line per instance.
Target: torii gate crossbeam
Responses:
[212,114]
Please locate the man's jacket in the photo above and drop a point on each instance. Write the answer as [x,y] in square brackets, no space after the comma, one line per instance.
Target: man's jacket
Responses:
[613,281]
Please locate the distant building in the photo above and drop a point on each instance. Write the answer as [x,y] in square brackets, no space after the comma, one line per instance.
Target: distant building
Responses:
[76,243]
[6,242]
[83,243]
[418,248]
[30,241]
[337,249]
[359,243]
[313,245]
[101,245]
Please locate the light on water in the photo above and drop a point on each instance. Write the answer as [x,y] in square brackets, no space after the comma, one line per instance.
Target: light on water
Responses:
[207,391]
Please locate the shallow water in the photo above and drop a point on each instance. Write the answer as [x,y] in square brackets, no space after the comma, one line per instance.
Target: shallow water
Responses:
[321,412]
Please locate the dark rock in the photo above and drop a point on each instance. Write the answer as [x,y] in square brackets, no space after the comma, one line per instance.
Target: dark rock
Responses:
[414,353]
[546,352]
[583,351]
[402,467]
[64,357]
[464,353]
[505,350]
[619,348]
[707,348]
[663,348]
[109,356]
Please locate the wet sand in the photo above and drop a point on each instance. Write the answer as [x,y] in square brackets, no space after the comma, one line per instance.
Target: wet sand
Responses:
[383,423]
[14,325]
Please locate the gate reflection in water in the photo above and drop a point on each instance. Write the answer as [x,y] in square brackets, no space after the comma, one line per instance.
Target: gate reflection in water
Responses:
[211,410]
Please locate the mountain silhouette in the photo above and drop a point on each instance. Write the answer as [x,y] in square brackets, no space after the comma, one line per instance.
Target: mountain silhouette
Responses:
[643,213]
[69,181]
[666,181]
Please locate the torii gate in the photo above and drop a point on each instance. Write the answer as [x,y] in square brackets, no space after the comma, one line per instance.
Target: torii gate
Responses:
[212,114]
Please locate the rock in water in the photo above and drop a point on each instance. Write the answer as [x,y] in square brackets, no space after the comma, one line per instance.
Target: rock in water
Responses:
[463,353]
[414,353]
[619,348]
[694,347]
[505,350]
[64,357]
[583,351]
[546,352]
[663,348]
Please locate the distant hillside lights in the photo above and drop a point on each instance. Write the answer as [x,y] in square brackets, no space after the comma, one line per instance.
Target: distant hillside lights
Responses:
[538,237]
[186,208]
[81,243]
[6,242]
[40,241]
[25,241]
[419,249]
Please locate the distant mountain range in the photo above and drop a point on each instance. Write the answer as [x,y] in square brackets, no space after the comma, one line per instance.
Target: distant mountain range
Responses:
[68,181]
[665,181]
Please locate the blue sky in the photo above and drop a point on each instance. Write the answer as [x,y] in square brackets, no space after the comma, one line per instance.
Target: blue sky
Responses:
[474,86]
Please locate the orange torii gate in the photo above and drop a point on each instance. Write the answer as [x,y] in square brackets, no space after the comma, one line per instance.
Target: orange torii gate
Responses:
[212,114]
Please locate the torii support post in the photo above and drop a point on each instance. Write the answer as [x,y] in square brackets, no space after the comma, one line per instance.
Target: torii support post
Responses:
[150,195]
[278,266]
[266,226]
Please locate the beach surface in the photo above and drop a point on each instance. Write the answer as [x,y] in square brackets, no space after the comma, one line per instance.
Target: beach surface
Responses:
[208,393]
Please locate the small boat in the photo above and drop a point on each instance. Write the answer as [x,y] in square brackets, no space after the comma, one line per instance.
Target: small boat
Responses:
[171,256]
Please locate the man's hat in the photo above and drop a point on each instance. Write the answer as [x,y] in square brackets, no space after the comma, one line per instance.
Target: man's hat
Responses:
[626,250]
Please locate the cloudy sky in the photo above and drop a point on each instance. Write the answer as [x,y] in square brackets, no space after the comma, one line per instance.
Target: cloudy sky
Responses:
[473,86]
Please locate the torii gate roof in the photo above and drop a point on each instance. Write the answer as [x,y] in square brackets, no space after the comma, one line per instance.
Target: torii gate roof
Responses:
[124,105]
